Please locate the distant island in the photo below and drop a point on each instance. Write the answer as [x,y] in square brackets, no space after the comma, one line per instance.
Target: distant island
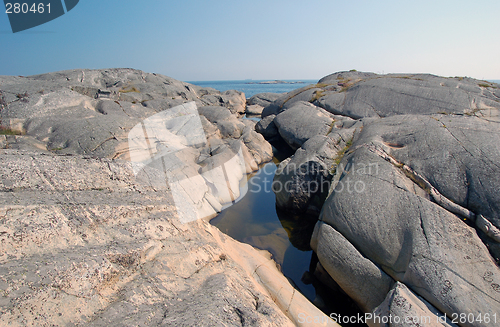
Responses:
[276,82]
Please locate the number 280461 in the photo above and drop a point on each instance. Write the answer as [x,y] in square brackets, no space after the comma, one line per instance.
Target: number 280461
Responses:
[24,8]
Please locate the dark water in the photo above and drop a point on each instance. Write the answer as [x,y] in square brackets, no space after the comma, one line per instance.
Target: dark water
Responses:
[252,89]
[255,220]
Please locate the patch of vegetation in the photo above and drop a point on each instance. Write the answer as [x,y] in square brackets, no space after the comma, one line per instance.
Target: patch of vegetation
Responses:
[128,89]
[317,95]
[353,70]
[345,85]
[332,125]
[321,85]
[484,85]
[473,112]
[8,131]
[340,155]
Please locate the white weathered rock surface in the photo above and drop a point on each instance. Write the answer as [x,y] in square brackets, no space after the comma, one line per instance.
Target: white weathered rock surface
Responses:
[86,242]
[89,240]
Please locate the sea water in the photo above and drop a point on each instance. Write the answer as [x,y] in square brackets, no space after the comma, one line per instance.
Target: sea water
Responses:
[252,87]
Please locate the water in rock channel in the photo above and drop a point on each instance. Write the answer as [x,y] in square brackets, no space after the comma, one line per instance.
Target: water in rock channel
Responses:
[256,220]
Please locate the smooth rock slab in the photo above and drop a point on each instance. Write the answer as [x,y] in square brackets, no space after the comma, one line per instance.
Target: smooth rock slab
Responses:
[392,222]
[85,242]
[371,95]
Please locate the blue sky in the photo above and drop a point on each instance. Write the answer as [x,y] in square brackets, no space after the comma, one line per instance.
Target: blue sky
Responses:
[221,40]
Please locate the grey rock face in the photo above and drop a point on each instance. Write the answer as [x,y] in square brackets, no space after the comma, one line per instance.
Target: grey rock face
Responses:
[359,94]
[267,127]
[254,110]
[302,181]
[359,277]
[90,111]
[233,100]
[391,218]
[402,308]
[413,193]
[301,122]
[263,99]
[459,155]
[287,100]
[387,95]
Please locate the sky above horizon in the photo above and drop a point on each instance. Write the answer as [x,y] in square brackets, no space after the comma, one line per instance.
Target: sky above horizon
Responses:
[197,40]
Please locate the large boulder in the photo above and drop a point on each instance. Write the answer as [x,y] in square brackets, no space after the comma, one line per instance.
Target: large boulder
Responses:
[254,110]
[369,95]
[267,127]
[302,181]
[289,99]
[235,101]
[301,122]
[413,186]
[399,213]
[360,278]
[359,94]
[263,99]
[91,111]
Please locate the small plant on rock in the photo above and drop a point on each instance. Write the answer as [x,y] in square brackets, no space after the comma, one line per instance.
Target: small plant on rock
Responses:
[128,89]
[8,131]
